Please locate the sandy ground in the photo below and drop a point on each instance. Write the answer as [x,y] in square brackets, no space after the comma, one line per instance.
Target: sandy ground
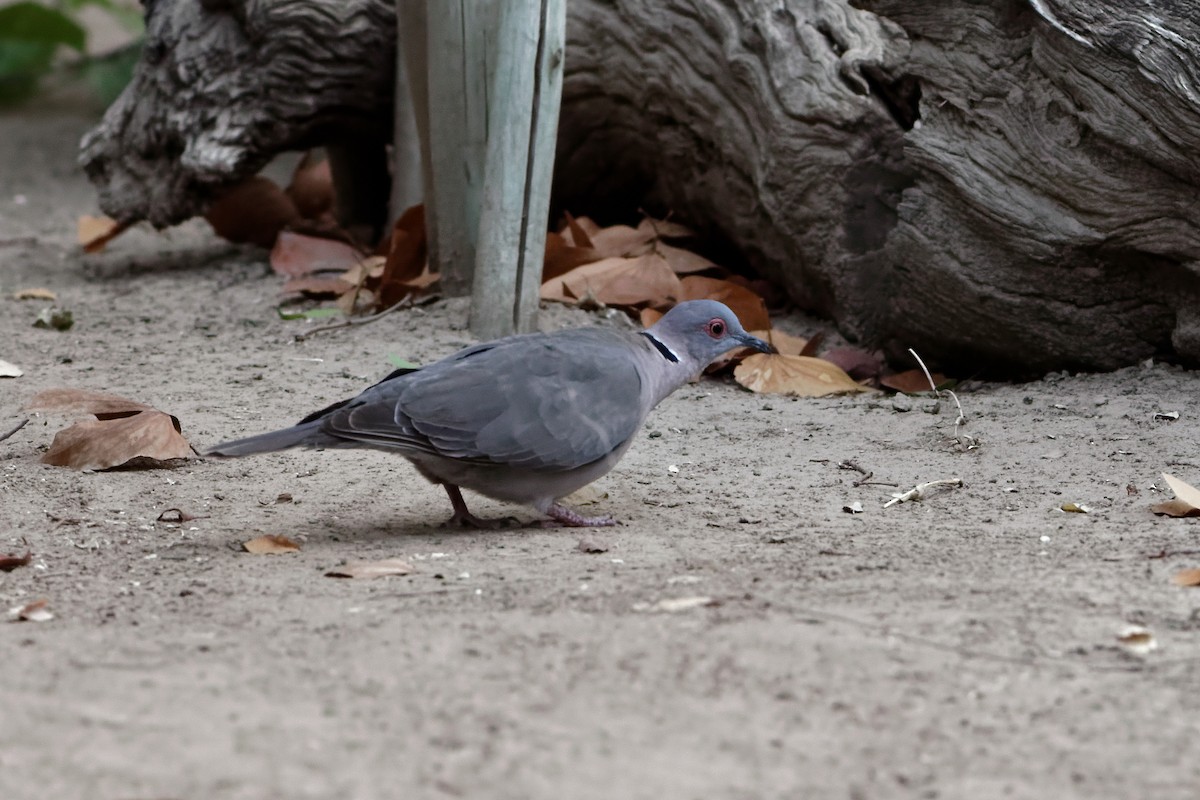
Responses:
[962,646]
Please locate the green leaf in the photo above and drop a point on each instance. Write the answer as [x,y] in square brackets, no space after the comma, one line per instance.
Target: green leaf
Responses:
[30,34]
[312,313]
[400,363]
[109,75]
[33,22]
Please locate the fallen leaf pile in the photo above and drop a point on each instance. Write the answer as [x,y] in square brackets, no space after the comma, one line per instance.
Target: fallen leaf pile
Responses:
[643,270]
[122,433]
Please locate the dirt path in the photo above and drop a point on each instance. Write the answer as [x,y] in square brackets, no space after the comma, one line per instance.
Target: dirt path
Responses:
[963,646]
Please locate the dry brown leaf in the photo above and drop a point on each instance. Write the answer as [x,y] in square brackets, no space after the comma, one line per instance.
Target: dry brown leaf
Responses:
[10,562]
[371,569]
[150,437]
[622,241]
[270,545]
[95,232]
[85,401]
[176,516]
[912,381]
[253,212]
[784,343]
[1186,577]
[311,189]
[801,376]
[1183,491]
[684,262]
[296,254]
[37,611]
[317,286]
[665,228]
[1137,639]
[650,316]
[630,282]
[406,258]
[35,293]
[579,237]
[561,257]
[750,309]
[1175,508]
[858,364]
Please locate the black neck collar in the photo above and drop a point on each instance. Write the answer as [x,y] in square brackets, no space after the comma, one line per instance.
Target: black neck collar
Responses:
[661,348]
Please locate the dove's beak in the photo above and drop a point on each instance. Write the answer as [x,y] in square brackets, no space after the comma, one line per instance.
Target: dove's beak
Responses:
[751,341]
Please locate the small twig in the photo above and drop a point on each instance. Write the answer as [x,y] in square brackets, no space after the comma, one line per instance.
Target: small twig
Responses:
[404,302]
[919,491]
[965,441]
[20,425]
[866,474]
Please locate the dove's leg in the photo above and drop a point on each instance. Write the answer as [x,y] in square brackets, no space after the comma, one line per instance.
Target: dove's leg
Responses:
[573,519]
[464,518]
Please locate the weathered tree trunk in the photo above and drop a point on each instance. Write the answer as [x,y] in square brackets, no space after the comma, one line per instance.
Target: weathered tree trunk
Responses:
[1008,185]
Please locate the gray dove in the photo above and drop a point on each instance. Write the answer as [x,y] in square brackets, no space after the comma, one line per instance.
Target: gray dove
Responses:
[527,419]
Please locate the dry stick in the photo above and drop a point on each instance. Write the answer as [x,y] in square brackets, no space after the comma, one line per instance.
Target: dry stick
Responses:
[20,425]
[865,480]
[404,302]
[919,491]
[962,418]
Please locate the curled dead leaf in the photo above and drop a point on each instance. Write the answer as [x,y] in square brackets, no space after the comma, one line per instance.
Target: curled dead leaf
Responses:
[1184,491]
[1137,639]
[784,343]
[296,255]
[68,400]
[561,257]
[912,381]
[1186,577]
[176,516]
[1175,508]
[802,376]
[37,611]
[96,232]
[270,544]
[253,212]
[35,293]
[579,236]
[371,569]
[146,439]
[10,562]
[311,189]
[406,258]
[629,282]
[858,364]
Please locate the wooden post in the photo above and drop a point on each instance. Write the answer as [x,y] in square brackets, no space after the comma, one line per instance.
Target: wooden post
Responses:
[523,123]
[410,115]
[485,80]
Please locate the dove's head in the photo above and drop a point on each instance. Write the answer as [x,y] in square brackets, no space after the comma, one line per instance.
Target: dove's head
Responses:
[701,330]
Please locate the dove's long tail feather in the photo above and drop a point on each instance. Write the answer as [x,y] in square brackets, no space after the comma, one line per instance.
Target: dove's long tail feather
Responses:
[307,434]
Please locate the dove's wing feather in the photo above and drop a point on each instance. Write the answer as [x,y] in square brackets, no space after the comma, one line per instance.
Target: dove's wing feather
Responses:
[539,402]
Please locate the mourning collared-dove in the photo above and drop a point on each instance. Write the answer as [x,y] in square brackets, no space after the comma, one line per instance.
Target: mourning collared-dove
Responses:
[528,418]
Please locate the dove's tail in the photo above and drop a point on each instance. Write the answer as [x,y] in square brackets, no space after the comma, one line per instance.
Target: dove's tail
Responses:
[307,434]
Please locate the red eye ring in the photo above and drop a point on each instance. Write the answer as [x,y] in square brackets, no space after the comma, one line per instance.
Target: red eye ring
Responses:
[715,328]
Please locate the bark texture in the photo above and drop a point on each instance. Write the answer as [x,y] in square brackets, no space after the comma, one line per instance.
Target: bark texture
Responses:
[225,85]
[1005,186]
